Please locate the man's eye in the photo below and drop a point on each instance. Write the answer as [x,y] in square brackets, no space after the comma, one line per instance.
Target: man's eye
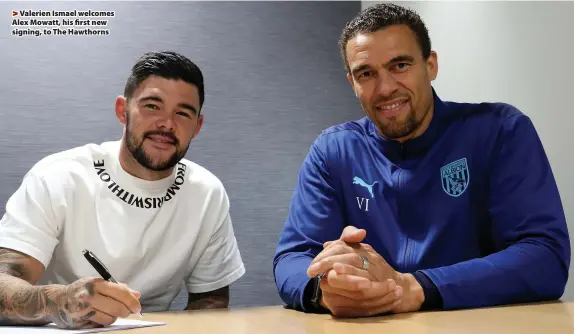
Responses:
[151,106]
[402,66]
[184,114]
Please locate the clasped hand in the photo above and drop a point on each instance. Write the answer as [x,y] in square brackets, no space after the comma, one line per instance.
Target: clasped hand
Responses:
[348,290]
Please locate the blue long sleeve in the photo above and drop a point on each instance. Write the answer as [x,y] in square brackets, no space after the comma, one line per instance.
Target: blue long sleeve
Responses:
[528,228]
[314,217]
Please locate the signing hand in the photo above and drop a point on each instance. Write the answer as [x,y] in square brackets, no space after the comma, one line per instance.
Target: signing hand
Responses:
[93,302]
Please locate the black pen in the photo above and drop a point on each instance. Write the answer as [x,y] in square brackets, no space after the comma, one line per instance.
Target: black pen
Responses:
[100,268]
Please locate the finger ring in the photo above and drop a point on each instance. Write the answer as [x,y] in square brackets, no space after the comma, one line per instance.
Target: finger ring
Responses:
[365,263]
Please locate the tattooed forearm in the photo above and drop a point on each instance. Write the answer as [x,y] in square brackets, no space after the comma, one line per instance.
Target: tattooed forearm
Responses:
[209,300]
[24,304]
[21,302]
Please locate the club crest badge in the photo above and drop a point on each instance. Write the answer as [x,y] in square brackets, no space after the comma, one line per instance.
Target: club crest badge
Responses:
[455,177]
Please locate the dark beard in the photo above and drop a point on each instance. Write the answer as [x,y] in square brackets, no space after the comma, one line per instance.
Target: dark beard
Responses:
[395,131]
[138,152]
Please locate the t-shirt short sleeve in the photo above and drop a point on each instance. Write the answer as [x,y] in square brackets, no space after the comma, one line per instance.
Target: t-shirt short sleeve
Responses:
[29,224]
[220,263]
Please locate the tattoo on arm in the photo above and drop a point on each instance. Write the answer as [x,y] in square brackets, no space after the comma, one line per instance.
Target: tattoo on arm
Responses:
[209,300]
[21,302]
[11,263]
[71,312]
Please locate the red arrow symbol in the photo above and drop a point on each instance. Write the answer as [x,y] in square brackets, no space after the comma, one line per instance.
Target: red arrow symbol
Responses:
[14,13]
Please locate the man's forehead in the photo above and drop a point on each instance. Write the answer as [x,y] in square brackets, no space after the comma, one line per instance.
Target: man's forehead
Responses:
[167,88]
[384,45]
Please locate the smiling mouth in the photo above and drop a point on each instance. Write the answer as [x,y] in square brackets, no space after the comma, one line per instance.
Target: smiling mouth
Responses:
[392,106]
[161,139]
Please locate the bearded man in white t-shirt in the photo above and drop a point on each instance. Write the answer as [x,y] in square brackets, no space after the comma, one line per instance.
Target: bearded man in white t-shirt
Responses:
[153,218]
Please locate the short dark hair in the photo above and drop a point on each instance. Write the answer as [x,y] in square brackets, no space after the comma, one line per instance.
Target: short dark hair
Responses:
[380,16]
[168,65]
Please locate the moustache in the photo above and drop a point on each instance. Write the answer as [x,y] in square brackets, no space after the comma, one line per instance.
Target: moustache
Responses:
[163,133]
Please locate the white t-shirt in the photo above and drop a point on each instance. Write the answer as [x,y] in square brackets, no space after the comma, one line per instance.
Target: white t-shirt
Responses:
[151,235]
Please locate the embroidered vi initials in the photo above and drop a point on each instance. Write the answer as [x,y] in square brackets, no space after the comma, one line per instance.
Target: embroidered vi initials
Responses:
[361,201]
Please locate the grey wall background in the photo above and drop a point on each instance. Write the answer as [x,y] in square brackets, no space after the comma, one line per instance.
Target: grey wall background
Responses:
[274,80]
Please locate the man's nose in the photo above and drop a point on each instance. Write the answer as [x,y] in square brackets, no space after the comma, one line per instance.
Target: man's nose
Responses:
[386,84]
[166,122]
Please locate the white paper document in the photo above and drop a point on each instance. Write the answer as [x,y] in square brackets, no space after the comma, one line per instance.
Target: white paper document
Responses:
[120,324]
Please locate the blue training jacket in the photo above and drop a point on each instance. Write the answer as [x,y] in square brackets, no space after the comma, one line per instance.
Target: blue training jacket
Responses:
[472,203]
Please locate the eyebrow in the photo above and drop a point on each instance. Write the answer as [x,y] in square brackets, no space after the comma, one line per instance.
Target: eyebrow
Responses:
[159,100]
[397,59]
[401,58]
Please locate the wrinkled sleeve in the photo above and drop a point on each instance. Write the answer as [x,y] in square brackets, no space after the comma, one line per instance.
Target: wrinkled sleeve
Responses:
[529,231]
[314,217]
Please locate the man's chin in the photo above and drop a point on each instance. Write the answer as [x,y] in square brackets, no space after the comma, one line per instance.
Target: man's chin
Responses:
[159,165]
[393,131]
[157,168]
[157,160]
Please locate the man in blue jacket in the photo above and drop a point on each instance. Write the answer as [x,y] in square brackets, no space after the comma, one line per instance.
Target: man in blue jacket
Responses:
[423,204]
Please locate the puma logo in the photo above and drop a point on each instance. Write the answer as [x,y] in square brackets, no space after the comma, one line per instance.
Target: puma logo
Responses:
[359,181]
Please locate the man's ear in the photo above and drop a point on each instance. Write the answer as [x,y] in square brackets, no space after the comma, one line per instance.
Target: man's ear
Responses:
[121,108]
[432,65]
[198,127]
[352,82]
